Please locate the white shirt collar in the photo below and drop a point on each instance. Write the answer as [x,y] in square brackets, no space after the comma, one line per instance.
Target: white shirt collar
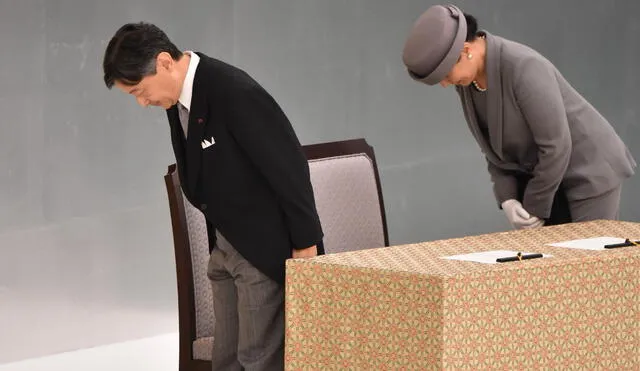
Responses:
[187,85]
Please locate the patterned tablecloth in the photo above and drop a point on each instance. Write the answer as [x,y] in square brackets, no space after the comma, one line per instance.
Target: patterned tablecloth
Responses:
[404,307]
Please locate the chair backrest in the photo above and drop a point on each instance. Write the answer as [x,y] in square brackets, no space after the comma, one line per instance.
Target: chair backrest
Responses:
[346,186]
[191,245]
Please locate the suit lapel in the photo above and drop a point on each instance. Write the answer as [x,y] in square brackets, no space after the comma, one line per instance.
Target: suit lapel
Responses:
[177,139]
[197,123]
[494,91]
[472,121]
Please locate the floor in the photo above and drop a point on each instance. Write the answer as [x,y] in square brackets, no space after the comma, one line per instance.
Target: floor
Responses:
[158,353]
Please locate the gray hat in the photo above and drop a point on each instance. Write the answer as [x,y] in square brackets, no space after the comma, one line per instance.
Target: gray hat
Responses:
[434,43]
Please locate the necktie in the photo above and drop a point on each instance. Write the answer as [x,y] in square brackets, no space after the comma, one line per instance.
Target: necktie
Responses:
[184,118]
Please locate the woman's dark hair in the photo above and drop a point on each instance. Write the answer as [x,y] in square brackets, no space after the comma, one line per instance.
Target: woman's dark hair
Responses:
[472,27]
[132,52]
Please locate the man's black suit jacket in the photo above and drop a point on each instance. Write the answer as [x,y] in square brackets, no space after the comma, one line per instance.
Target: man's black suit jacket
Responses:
[252,183]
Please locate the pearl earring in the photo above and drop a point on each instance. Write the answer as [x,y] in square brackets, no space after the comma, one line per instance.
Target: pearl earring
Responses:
[469,55]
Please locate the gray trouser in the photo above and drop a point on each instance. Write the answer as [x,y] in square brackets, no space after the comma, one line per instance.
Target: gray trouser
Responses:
[604,206]
[249,313]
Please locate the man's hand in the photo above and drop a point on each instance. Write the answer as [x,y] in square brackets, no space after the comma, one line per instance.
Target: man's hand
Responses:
[309,252]
[519,217]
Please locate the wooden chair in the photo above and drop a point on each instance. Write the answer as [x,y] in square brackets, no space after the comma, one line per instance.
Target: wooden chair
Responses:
[346,185]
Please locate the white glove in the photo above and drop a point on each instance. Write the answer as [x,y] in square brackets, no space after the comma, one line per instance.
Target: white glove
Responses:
[519,217]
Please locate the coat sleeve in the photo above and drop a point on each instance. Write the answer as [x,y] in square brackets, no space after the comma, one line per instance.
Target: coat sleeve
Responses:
[505,185]
[266,136]
[540,100]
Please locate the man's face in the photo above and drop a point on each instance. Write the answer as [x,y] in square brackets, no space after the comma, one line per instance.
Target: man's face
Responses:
[161,89]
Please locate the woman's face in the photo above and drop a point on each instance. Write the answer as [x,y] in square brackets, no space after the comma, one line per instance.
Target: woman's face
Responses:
[465,70]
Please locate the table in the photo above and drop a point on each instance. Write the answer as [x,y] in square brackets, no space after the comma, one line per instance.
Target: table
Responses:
[404,307]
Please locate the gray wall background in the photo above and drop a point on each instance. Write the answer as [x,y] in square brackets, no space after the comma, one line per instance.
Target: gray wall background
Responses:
[85,243]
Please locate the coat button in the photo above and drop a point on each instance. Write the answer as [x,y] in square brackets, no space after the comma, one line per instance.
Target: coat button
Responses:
[203,207]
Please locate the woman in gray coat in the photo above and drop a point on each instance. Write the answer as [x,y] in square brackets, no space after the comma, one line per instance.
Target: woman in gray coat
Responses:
[551,156]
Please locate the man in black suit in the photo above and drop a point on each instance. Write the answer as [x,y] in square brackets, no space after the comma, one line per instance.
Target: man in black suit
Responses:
[240,162]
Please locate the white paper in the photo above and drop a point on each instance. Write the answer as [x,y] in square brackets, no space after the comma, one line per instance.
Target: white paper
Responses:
[596,243]
[488,257]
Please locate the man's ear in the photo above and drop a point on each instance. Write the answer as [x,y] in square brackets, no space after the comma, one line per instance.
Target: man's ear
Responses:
[164,61]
